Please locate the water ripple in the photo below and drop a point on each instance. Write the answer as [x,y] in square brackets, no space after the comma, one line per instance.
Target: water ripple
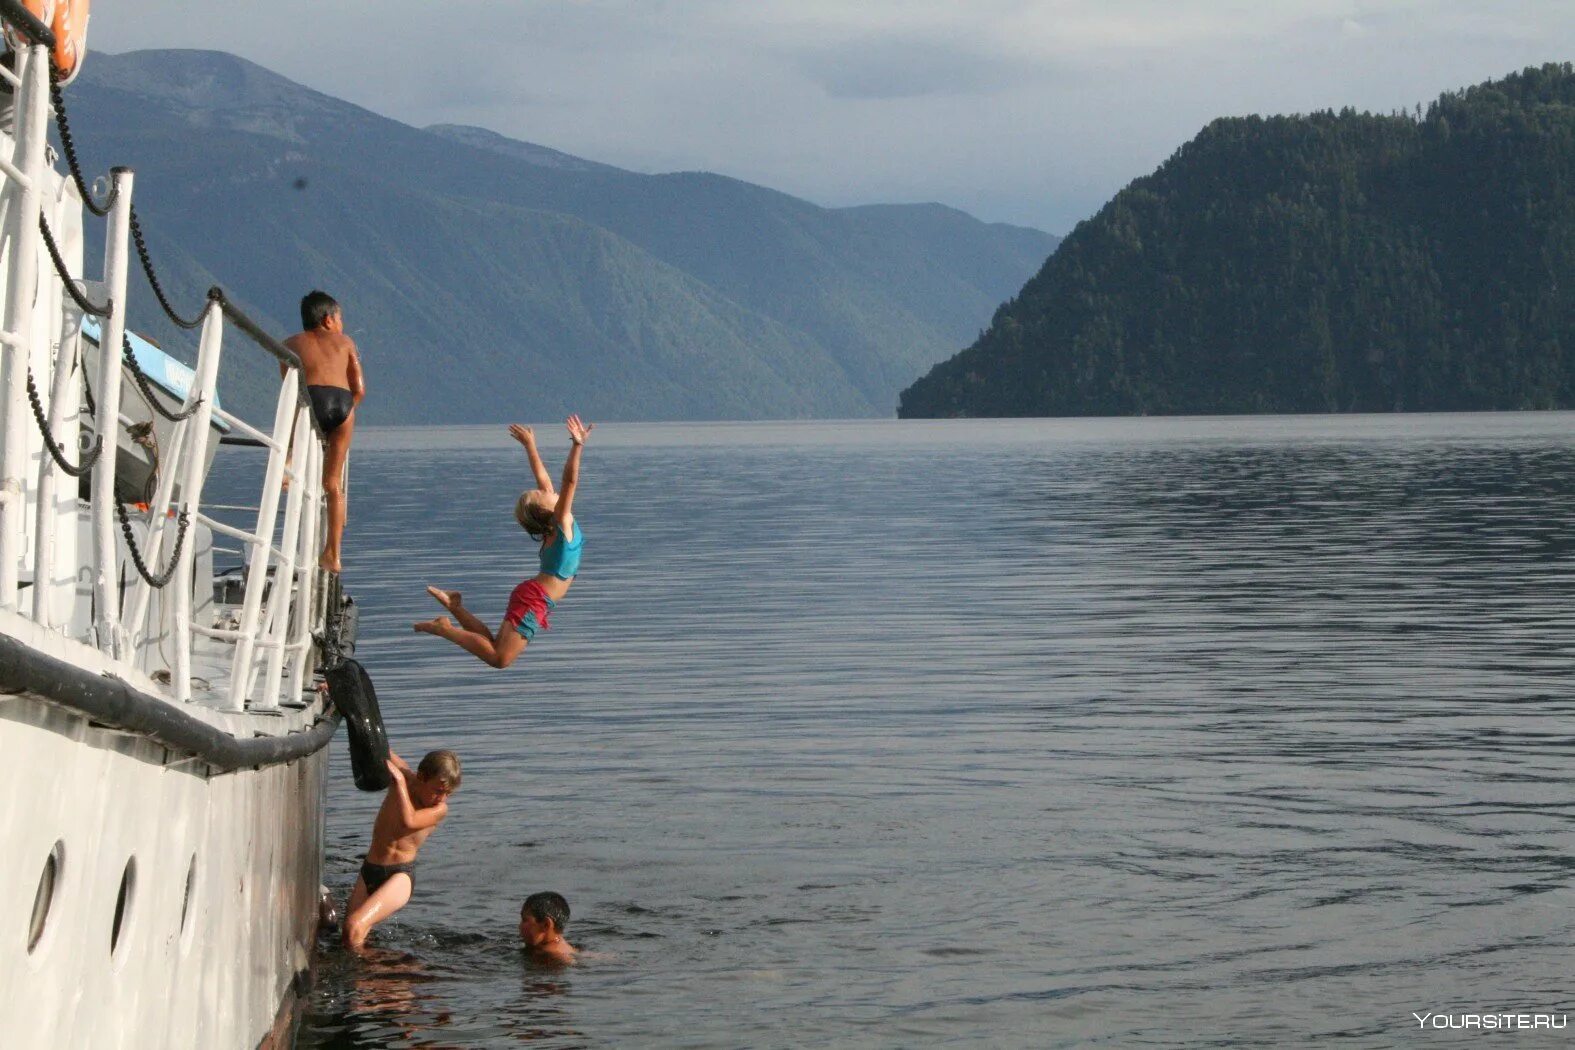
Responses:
[1137,733]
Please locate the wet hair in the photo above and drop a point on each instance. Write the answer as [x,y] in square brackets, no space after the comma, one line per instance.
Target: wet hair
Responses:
[533,517]
[547,905]
[316,308]
[442,766]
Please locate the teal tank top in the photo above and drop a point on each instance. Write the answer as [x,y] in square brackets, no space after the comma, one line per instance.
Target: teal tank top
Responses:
[562,559]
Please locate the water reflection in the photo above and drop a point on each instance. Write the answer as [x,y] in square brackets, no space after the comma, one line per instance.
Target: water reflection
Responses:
[539,1014]
[378,997]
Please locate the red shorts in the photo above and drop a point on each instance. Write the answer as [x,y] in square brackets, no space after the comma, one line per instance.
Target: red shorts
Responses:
[528,609]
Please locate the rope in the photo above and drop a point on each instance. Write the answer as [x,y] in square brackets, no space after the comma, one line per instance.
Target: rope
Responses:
[87,307]
[55,450]
[157,582]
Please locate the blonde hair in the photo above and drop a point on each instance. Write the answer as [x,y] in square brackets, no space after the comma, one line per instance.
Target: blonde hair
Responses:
[532,516]
[442,766]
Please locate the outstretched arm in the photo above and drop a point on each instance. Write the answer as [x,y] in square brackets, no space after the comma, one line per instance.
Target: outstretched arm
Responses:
[527,437]
[414,819]
[578,432]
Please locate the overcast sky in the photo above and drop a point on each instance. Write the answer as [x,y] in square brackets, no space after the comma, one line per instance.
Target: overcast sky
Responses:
[1026,111]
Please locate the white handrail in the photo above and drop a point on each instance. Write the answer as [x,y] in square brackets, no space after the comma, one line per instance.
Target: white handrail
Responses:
[271,652]
[49,472]
[306,573]
[21,283]
[245,428]
[203,383]
[267,514]
[285,577]
[117,257]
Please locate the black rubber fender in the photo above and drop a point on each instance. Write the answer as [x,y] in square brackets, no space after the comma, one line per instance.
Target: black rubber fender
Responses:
[350,688]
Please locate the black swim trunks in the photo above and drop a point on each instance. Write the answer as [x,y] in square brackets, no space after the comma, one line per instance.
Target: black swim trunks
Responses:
[374,875]
[331,405]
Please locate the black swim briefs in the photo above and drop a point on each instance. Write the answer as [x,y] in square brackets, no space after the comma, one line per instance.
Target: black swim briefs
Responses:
[331,405]
[374,875]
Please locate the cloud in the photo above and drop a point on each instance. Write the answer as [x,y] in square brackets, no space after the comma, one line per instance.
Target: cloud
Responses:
[905,67]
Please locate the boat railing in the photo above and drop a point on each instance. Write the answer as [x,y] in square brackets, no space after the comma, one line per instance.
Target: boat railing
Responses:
[146,619]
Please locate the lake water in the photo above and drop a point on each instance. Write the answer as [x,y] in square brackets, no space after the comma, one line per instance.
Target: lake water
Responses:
[1015,734]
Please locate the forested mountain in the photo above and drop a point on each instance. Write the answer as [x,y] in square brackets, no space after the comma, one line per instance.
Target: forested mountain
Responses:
[488,279]
[1333,262]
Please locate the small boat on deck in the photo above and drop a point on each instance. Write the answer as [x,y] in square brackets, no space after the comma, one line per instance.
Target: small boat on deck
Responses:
[166,385]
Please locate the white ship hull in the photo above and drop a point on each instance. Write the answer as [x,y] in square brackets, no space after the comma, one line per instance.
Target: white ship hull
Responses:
[216,932]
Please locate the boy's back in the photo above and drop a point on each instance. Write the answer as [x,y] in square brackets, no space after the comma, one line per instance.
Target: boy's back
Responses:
[326,357]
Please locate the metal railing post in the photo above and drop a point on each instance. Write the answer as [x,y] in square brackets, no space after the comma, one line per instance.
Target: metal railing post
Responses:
[49,473]
[286,592]
[262,543]
[310,478]
[135,627]
[196,451]
[106,590]
[21,282]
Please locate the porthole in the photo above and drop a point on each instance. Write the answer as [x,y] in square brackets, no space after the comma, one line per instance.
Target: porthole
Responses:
[185,907]
[123,903]
[44,896]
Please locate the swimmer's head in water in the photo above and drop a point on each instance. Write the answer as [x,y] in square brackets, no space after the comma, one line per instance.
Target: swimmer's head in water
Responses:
[438,776]
[534,510]
[542,915]
[316,308]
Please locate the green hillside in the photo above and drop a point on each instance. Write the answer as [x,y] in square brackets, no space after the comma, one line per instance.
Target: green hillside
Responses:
[487,279]
[1334,262]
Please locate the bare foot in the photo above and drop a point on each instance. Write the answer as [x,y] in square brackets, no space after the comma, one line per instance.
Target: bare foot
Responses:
[447,599]
[328,562]
[437,626]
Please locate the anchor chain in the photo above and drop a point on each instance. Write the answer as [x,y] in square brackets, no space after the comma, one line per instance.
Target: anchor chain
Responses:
[127,354]
[153,278]
[88,307]
[157,582]
[63,124]
[143,382]
[55,451]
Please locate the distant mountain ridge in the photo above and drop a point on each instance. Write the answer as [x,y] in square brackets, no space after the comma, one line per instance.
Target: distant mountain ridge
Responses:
[1321,263]
[529,152]
[489,279]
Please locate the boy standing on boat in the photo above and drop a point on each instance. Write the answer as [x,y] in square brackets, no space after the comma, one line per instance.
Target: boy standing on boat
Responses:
[416,803]
[331,370]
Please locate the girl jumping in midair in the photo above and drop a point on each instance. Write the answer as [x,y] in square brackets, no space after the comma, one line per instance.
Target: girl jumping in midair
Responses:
[549,518]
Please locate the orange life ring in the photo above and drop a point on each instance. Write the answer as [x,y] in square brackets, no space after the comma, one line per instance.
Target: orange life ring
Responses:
[70,23]
[68,20]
